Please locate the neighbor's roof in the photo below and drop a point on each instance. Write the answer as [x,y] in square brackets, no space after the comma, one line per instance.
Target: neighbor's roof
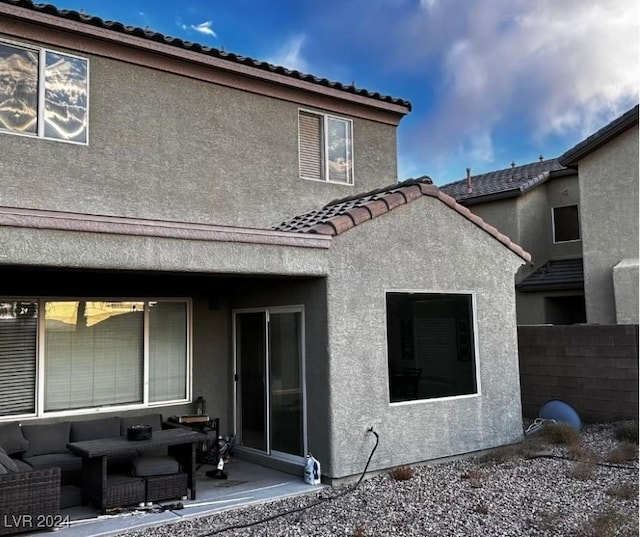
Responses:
[599,138]
[506,183]
[151,35]
[555,275]
[343,214]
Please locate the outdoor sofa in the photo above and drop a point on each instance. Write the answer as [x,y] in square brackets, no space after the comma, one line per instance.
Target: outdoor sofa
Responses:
[35,459]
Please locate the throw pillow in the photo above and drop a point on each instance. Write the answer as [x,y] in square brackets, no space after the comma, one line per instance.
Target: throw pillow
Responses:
[12,439]
[46,438]
[7,463]
[95,429]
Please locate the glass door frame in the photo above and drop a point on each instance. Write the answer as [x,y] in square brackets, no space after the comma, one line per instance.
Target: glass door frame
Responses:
[237,420]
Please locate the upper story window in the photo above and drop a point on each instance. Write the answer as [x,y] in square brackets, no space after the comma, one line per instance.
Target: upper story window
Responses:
[43,93]
[566,224]
[325,144]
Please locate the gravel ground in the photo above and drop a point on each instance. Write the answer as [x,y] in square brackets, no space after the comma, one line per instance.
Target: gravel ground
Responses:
[535,489]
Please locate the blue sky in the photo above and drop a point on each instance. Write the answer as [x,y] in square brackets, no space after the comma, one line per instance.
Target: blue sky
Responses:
[490,81]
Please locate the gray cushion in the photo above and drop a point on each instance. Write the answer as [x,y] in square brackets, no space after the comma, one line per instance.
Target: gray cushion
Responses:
[70,496]
[94,429]
[12,439]
[22,466]
[146,466]
[46,438]
[7,462]
[3,470]
[65,461]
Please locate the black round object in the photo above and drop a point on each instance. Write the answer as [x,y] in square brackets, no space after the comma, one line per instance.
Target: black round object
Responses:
[139,432]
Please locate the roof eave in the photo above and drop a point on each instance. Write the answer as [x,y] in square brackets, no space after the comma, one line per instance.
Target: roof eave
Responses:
[573,286]
[50,17]
[494,196]
[571,157]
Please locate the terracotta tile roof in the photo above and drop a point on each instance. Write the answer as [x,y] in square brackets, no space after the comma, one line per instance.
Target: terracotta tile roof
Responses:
[343,214]
[599,138]
[509,182]
[555,275]
[195,47]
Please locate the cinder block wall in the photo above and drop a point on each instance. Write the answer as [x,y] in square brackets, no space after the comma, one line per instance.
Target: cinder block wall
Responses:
[594,368]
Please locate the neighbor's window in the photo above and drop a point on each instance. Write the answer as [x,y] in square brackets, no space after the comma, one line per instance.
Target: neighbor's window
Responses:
[325,148]
[566,224]
[43,93]
[430,345]
[94,354]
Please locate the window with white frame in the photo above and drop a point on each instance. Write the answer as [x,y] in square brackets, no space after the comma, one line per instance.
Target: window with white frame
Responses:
[566,224]
[43,93]
[93,353]
[325,145]
[430,345]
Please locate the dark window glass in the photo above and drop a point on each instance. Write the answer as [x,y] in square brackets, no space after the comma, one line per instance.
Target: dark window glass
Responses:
[430,345]
[566,225]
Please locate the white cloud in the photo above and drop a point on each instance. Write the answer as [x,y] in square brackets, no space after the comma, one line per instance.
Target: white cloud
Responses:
[204,28]
[555,68]
[290,55]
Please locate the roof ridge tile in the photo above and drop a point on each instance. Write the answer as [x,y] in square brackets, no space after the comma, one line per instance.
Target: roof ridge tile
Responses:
[339,216]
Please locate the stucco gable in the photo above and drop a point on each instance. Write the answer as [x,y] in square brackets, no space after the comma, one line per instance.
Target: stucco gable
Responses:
[341,215]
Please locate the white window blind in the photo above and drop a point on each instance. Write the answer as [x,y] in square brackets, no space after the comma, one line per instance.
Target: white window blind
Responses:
[311,146]
[94,354]
[167,351]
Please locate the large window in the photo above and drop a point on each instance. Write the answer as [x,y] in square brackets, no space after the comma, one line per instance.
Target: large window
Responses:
[431,349]
[93,354]
[325,148]
[43,93]
[566,224]
[18,344]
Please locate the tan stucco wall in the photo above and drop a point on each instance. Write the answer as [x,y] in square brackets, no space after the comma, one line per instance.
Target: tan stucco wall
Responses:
[347,380]
[625,285]
[609,204]
[444,252]
[527,220]
[166,146]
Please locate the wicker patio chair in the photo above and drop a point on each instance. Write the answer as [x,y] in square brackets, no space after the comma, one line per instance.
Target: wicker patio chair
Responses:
[29,501]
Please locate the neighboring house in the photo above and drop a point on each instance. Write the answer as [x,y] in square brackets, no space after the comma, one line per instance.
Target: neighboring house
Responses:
[607,165]
[166,233]
[578,219]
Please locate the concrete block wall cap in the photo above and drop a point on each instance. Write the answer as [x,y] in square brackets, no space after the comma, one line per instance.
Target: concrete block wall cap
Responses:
[376,207]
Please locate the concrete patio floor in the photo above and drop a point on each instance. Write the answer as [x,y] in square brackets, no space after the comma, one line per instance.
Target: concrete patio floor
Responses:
[247,483]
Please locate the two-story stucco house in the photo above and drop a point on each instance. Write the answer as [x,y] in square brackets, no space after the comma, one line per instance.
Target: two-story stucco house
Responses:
[167,232]
[578,217]
[607,166]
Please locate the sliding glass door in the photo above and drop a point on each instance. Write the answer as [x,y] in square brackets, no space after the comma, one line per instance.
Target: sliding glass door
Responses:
[269,367]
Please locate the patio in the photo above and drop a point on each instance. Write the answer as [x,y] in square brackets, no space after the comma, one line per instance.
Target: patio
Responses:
[247,483]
